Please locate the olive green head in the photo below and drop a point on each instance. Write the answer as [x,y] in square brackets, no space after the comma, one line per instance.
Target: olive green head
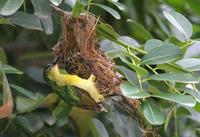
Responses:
[49,69]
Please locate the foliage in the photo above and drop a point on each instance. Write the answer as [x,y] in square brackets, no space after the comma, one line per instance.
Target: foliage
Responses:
[158,60]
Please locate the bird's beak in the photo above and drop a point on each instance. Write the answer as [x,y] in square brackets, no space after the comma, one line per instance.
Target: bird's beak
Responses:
[56,61]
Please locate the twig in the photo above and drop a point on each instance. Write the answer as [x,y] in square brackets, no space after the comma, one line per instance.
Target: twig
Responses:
[58,10]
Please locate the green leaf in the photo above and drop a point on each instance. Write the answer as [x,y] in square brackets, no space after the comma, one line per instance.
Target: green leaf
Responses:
[108,9]
[191,64]
[24,92]
[162,86]
[107,29]
[131,91]
[124,51]
[77,9]
[28,21]
[92,127]
[47,116]
[162,25]
[31,122]
[47,25]
[140,71]
[197,107]
[56,2]
[42,8]
[180,22]
[6,109]
[24,6]
[133,57]
[106,45]
[49,40]
[36,74]
[152,113]
[182,111]
[162,104]
[168,118]
[153,90]
[25,104]
[51,100]
[61,123]
[119,47]
[118,4]
[176,77]
[8,7]
[187,90]
[4,21]
[128,89]
[140,29]
[84,2]
[139,95]
[132,77]
[173,68]
[128,40]
[195,94]
[152,43]
[3,58]
[166,53]
[100,127]
[119,122]
[181,99]
[62,111]
[11,70]
[178,43]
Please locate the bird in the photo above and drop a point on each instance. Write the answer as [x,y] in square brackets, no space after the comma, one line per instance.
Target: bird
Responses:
[74,90]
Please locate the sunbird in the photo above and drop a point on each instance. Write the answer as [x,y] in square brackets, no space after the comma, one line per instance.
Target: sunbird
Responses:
[76,91]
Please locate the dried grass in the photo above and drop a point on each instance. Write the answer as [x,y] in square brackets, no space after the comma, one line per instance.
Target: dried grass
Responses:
[79,42]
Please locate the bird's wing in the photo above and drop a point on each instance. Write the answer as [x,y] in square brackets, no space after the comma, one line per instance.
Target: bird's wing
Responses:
[84,96]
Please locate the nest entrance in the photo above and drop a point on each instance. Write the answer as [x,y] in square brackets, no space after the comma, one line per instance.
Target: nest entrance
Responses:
[80,52]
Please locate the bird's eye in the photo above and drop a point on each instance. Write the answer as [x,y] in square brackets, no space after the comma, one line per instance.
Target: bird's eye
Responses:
[48,66]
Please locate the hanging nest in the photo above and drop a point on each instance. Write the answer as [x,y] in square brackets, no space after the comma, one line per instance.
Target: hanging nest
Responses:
[81,55]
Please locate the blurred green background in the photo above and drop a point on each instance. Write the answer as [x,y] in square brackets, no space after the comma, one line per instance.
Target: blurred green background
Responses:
[30,50]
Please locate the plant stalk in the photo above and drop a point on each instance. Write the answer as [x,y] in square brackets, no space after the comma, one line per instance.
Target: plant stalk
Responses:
[88,8]
[175,122]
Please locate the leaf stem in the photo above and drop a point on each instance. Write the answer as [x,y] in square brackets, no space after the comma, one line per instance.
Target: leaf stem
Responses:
[88,7]
[138,76]
[175,122]
[164,80]
[120,42]
[129,51]
[24,4]
[187,44]
[194,86]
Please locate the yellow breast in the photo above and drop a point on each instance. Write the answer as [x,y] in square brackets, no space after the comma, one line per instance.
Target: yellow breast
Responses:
[87,84]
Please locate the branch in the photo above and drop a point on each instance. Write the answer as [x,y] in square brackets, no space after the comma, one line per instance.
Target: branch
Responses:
[58,10]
